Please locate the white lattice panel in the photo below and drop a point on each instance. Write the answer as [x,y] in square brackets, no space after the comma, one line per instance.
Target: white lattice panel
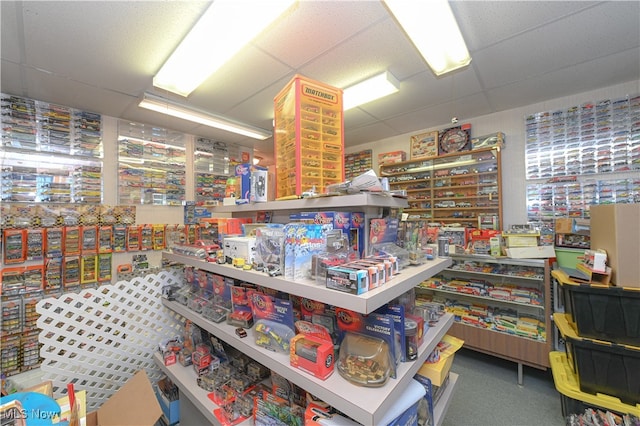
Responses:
[101,337]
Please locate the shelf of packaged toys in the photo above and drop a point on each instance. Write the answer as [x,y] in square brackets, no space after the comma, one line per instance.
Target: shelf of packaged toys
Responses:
[362,199]
[364,404]
[187,376]
[365,303]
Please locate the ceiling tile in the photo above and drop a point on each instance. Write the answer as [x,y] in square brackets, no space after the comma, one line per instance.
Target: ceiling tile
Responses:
[597,73]
[484,23]
[559,44]
[312,26]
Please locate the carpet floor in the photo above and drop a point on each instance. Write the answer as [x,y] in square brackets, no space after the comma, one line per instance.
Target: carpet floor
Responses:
[487,393]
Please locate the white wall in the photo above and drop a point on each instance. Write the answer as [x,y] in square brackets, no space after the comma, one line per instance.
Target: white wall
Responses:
[512,124]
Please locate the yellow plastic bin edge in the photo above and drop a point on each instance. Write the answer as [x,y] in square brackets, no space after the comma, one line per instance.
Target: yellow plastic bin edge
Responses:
[566,383]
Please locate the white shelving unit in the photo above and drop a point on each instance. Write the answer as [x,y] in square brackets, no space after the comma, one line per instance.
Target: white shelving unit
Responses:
[186,375]
[353,202]
[364,303]
[365,405]
[372,204]
[440,410]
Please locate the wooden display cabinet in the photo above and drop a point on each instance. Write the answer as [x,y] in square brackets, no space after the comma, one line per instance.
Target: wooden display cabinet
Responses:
[308,137]
[461,187]
[493,290]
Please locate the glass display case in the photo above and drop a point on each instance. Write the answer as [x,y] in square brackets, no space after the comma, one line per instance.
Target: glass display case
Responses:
[151,165]
[212,166]
[49,153]
[460,188]
[501,306]
[594,137]
[357,163]
[582,155]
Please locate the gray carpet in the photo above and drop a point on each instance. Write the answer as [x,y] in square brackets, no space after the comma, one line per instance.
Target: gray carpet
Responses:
[487,393]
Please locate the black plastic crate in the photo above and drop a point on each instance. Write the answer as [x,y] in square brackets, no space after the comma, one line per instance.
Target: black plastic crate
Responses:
[573,400]
[603,312]
[602,367]
[574,406]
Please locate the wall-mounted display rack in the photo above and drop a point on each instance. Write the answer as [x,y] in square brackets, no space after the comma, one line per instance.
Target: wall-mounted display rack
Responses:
[151,165]
[357,163]
[573,198]
[565,148]
[453,188]
[594,137]
[49,153]
[213,164]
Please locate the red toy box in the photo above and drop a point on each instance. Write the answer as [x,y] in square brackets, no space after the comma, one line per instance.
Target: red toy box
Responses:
[311,350]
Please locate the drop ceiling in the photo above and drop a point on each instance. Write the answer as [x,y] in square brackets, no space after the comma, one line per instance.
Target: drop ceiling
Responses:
[101,57]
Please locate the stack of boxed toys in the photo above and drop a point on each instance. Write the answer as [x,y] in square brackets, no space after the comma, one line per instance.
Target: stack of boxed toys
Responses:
[528,241]
[601,323]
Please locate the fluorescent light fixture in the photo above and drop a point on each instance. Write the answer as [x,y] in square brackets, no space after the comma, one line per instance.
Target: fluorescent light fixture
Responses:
[174,109]
[433,29]
[371,89]
[219,34]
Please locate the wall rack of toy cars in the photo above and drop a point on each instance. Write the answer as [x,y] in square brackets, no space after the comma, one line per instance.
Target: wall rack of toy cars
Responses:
[452,188]
[50,153]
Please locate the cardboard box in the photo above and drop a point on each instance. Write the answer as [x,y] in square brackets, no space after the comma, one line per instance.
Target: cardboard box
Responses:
[615,228]
[134,404]
[521,240]
[539,252]
[244,247]
[391,157]
[564,225]
[170,409]
[438,371]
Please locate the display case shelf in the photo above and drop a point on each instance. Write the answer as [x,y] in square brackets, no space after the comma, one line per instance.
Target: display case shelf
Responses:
[28,176]
[365,405]
[357,163]
[533,274]
[151,165]
[487,298]
[308,136]
[364,303]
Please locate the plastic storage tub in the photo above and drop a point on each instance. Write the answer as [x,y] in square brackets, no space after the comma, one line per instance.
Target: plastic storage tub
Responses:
[573,400]
[602,312]
[602,367]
